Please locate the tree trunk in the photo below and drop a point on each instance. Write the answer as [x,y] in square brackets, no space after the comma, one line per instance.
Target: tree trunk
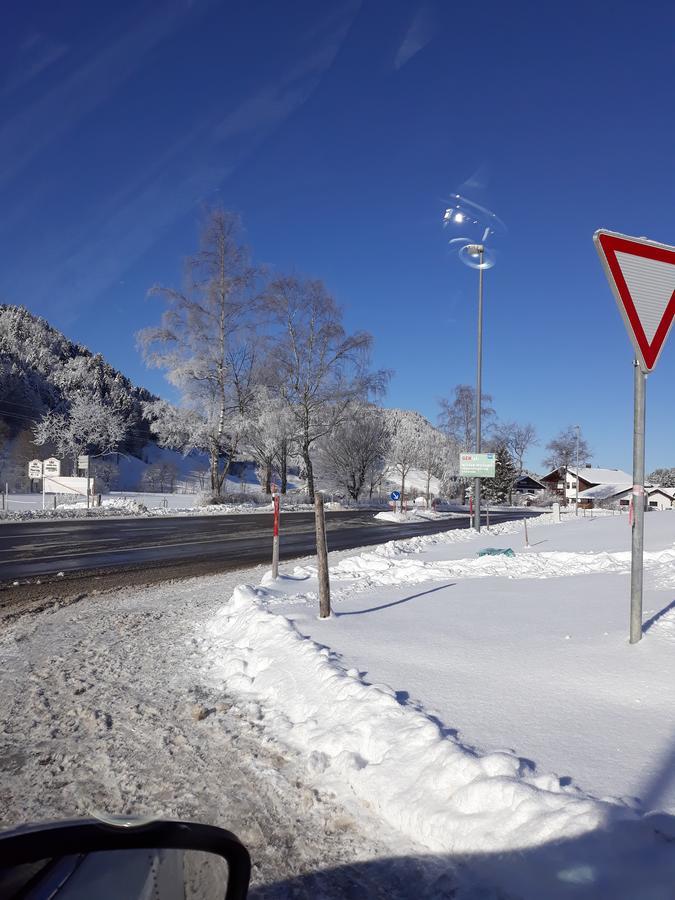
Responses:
[268,478]
[402,491]
[309,472]
[213,467]
[428,486]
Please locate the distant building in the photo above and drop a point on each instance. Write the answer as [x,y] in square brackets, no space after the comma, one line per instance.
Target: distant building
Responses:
[661,497]
[562,481]
[528,484]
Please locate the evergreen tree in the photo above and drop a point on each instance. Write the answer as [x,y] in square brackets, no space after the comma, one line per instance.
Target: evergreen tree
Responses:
[499,488]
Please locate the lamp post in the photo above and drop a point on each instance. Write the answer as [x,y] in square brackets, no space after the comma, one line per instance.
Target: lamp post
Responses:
[477,251]
[476,254]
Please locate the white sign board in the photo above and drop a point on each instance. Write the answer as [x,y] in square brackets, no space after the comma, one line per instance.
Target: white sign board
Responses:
[82,462]
[477,465]
[67,485]
[35,468]
[52,466]
[641,274]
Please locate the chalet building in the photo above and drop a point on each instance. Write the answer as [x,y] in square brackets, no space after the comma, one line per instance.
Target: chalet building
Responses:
[562,481]
[528,484]
[661,498]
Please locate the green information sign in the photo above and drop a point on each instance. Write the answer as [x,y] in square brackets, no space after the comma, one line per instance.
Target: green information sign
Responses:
[477,465]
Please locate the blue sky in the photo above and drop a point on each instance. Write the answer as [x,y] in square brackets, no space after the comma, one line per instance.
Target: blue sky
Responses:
[338,131]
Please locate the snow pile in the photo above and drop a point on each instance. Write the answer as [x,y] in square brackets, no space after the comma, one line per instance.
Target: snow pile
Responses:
[415,515]
[428,786]
[373,569]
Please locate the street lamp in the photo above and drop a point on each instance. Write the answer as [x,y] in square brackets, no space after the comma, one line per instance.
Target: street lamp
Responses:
[476,253]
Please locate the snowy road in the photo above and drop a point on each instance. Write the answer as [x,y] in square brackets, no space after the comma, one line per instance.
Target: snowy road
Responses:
[105,706]
[29,549]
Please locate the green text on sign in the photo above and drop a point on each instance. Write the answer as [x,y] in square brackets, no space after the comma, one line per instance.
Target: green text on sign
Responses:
[477,465]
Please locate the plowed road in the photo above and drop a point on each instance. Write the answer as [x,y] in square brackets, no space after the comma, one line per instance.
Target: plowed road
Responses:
[32,549]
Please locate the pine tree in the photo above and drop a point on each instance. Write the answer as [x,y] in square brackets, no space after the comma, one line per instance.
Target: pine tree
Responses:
[499,488]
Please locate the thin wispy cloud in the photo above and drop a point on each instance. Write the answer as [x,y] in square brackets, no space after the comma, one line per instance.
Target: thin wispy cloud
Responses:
[130,221]
[32,130]
[35,55]
[420,32]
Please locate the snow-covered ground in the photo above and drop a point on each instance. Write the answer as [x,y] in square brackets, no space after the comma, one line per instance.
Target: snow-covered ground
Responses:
[482,705]
[105,706]
[466,723]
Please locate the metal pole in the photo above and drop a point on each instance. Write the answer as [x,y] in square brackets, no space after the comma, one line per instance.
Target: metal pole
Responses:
[275,539]
[638,536]
[479,379]
[88,481]
[577,485]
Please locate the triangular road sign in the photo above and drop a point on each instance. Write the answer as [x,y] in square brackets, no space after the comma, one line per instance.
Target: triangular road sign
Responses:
[641,274]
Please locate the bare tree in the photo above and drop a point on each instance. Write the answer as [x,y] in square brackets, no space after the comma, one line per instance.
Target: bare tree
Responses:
[322,371]
[562,450]
[206,343]
[457,417]
[353,454]
[517,439]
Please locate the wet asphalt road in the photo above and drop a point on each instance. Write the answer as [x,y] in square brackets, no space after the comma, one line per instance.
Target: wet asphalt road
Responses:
[41,548]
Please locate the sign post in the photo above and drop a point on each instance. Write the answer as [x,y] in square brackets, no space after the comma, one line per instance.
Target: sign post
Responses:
[83,465]
[275,538]
[641,274]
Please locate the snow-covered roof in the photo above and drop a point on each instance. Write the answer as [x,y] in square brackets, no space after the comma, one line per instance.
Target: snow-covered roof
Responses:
[669,492]
[602,476]
[527,477]
[605,491]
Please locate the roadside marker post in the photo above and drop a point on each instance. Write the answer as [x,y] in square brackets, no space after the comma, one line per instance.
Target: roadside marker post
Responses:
[641,274]
[322,557]
[275,538]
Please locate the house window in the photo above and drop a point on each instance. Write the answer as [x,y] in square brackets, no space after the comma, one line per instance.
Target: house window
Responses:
[624,502]
[653,503]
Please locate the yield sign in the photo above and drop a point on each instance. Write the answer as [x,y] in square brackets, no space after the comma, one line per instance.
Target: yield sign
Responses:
[641,274]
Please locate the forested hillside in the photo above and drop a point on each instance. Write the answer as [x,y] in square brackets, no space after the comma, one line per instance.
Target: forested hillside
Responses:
[42,371]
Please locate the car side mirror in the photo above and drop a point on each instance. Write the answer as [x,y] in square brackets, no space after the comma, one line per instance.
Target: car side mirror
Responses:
[123,858]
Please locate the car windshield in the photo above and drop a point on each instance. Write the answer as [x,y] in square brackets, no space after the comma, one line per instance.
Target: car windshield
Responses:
[332,508]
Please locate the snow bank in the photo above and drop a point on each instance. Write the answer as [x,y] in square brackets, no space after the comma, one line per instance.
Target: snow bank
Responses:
[415,515]
[430,787]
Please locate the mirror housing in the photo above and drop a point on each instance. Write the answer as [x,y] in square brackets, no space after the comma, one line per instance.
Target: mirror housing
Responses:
[50,840]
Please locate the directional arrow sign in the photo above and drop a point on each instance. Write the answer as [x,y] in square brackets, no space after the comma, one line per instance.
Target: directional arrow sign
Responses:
[641,274]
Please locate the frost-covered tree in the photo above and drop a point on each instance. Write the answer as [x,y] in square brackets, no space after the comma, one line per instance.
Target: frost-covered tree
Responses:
[321,370]
[439,458]
[353,455]
[206,342]
[88,426]
[663,477]
[42,371]
[160,476]
[518,439]
[457,417]
[407,450]
[267,434]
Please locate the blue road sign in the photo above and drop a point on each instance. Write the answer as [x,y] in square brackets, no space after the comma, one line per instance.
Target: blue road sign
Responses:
[395,495]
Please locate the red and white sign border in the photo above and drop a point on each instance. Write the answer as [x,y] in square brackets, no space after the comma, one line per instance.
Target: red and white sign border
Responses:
[607,243]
